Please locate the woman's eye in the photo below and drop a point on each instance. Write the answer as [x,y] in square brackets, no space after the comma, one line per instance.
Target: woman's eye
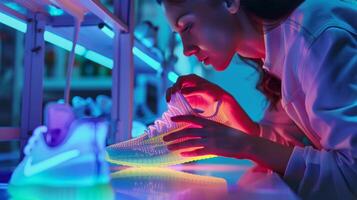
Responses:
[187,28]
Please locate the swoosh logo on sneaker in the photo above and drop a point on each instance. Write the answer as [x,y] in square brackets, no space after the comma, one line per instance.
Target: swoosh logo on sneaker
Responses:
[31,169]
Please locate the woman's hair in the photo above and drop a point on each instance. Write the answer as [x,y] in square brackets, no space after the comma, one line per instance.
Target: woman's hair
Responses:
[272,12]
[268,84]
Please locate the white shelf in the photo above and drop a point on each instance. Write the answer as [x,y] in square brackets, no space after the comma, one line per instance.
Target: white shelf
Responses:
[93,44]
[93,7]
[90,36]
[109,18]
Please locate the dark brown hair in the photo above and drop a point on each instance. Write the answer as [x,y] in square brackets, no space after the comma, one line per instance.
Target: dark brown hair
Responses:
[273,12]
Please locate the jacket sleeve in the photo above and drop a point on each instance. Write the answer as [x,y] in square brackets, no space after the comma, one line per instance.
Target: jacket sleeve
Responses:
[277,126]
[328,76]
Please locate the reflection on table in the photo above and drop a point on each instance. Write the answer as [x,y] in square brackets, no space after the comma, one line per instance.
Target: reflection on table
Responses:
[165,183]
[209,179]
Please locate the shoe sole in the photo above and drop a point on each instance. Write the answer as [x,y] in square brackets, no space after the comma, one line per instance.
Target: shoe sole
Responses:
[145,160]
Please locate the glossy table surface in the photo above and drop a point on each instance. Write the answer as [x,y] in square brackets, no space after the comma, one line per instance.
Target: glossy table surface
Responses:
[216,178]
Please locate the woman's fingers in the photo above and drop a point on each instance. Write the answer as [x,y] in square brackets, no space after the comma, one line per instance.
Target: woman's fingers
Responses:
[205,91]
[189,81]
[198,142]
[185,133]
[189,91]
[197,152]
[184,81]
[192,119]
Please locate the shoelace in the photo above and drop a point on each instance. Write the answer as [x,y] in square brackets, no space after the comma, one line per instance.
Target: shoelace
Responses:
[177,106]
[163,123]
[35,137]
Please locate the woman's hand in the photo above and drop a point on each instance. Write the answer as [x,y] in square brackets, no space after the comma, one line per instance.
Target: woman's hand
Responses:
[198,91]
[212,137]
[208,137]
[202,94]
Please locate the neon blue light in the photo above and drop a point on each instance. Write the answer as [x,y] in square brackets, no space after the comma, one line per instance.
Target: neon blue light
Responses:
[147,42]
[96,57]
[49,37]
[55,11]
[108,32]
[172,76]
[16,7]
[137,52]
[147,59]
[80,50]
[12,22]
[63,43]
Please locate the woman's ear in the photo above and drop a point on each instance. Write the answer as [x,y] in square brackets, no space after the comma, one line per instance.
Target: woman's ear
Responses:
[232,6]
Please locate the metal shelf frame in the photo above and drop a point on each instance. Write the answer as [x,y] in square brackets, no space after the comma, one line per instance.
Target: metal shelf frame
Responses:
[37,21]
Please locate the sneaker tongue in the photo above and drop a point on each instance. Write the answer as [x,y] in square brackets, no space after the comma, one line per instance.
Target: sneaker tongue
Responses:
[58,118]
[178,105]
[179,101]
[186,109]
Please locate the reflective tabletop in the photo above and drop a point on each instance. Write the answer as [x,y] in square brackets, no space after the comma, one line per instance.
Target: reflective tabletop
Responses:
[216,178]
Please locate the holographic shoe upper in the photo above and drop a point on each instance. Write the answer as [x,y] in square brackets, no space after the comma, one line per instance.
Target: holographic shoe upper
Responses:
[65,152]
[150,149]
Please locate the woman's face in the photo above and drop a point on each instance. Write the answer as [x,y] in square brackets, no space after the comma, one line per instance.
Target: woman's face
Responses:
[209,32]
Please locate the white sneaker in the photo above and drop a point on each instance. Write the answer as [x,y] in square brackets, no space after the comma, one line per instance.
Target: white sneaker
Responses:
[150,149]
[65,152]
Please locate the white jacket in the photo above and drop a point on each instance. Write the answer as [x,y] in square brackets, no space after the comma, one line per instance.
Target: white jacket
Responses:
[314,52]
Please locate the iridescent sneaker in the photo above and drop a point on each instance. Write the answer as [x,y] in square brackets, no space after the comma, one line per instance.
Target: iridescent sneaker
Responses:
[67,151]
[150,149]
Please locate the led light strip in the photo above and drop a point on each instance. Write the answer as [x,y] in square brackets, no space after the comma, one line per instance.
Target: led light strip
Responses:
[172,76]
[80,50]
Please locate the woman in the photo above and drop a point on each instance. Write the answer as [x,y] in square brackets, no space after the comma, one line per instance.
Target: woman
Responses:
[311,47]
